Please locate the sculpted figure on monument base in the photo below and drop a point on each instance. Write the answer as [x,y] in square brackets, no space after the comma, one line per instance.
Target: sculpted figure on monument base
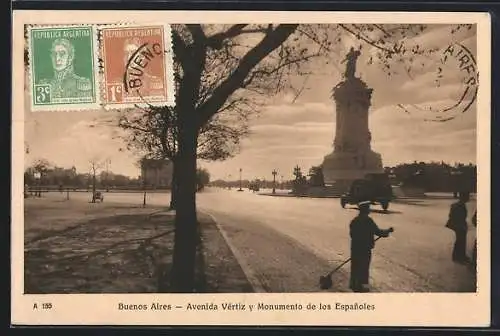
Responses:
[351,59]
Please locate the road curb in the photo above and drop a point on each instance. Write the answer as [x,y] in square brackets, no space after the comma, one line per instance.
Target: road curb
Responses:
[249,274]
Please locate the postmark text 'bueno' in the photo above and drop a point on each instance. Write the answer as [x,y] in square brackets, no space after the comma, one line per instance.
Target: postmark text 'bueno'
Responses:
[138,63]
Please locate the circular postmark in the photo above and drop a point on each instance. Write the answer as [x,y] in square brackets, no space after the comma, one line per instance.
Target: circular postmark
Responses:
[136,63]
[457,76]
[140,76]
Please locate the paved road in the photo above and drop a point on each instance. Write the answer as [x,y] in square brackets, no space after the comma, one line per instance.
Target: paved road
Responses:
[285,243]
[289,242]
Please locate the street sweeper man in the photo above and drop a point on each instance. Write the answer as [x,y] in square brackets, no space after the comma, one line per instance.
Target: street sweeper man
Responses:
[362,231]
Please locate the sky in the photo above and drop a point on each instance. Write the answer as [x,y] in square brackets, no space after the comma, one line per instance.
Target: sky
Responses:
[289,132]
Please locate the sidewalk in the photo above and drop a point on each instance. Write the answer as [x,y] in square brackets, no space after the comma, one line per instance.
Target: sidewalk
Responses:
[75,247]
[222,270]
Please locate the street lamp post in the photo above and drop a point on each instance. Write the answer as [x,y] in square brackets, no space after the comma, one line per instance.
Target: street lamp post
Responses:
[274,180]
[144,189]
[240,180]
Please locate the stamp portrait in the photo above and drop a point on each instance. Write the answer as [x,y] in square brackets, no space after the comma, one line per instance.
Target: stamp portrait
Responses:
[62,67]
[136,66]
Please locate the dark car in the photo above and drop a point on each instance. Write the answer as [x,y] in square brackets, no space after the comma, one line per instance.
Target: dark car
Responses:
[375,188]
[254,187]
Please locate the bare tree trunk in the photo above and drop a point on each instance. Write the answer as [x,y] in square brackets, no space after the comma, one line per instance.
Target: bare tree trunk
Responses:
[93,187]
[184,258]
[186,223]
[174,185]
[144,188]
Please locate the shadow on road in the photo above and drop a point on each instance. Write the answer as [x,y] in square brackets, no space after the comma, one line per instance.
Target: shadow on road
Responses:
[420,203]
[386,212]
[378,211]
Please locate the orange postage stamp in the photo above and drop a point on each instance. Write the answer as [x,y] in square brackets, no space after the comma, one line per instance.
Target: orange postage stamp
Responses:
[137,65]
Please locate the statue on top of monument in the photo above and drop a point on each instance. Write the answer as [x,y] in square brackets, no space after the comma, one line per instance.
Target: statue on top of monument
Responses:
[351,59]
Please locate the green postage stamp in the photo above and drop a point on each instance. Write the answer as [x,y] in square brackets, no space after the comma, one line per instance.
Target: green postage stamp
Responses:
[62,63]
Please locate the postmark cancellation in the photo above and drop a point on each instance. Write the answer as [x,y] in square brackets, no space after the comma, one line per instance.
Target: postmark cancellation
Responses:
[137,65]
[96,66]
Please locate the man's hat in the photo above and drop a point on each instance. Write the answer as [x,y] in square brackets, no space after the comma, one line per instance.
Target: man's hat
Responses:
[464,194]
[364,204]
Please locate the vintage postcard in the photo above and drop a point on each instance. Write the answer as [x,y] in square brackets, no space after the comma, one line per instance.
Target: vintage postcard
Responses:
[251,168]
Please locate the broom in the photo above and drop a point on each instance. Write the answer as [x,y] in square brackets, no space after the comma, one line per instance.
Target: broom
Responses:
[325,281]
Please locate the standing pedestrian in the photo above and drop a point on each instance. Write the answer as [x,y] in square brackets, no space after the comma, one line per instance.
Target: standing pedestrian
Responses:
[362,232]
[457,221]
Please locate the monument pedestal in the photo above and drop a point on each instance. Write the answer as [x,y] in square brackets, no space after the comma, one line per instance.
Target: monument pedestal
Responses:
[340,169]
[352,157]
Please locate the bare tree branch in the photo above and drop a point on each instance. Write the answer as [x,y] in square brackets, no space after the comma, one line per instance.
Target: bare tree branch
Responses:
[363,38]
[272,40]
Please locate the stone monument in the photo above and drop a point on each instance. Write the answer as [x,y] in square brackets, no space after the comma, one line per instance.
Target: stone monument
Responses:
[352,157]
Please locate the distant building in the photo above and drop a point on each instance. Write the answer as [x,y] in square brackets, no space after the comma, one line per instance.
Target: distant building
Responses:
[157,173]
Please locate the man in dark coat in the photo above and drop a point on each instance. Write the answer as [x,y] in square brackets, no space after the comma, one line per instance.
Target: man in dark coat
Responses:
[66,83]
[457,221]
[362,232]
